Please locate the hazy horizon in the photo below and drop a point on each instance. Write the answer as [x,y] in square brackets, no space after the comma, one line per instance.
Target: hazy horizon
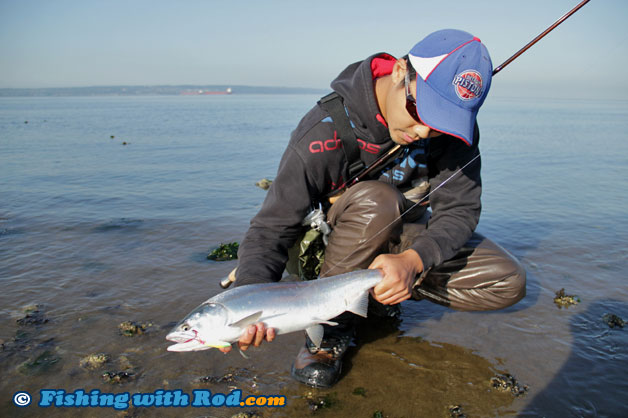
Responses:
[66,43]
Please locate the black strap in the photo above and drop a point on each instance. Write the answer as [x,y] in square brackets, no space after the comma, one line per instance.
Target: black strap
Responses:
[332,103]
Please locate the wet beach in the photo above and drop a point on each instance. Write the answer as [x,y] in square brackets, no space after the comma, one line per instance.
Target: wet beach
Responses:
[110,205]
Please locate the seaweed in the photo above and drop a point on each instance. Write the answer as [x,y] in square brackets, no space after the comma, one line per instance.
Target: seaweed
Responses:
[39,364]
[359,391]
[224,252]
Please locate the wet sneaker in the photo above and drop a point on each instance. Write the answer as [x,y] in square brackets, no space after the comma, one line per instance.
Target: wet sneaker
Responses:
[320,367]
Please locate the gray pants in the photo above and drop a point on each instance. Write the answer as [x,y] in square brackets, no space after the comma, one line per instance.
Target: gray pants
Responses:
[365,223]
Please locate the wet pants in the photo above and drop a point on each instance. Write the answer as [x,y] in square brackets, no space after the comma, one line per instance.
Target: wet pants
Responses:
[365,223]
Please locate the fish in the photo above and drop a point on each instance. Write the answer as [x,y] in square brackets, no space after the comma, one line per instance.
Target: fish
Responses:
[285,306]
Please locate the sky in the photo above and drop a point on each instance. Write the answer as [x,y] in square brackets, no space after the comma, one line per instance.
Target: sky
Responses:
[64,43]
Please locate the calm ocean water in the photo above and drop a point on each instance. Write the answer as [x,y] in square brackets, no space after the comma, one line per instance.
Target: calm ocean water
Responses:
[97,233]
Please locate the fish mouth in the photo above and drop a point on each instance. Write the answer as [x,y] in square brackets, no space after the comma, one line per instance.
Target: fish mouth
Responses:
[190,341]
[186,341]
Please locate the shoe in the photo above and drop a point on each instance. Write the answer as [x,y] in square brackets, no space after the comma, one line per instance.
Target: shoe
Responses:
[320,367]
[381,311]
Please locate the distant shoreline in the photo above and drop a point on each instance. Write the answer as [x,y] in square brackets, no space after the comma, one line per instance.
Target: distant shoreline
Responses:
[179,90]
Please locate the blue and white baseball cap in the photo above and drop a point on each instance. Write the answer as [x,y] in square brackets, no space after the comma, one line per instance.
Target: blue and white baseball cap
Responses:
[454,73]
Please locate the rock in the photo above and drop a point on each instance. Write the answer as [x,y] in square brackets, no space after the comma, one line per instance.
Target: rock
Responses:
[117,377]
[33,316]
[613,320]
[232,376]
[131,328]
[264,184]
[564,301]
[227,378]
[506,382]
[94,361]
[247,415]
[125,363]
[455,411]
[320,401]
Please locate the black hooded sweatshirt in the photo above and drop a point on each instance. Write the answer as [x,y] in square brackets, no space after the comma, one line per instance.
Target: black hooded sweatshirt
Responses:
[314,165]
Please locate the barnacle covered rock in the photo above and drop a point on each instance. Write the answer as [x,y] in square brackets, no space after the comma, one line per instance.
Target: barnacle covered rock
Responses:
[264,184]
[507,383]
[563,300]
[131,328]
[94,361]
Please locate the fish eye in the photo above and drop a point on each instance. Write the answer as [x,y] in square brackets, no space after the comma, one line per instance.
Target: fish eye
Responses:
[185,327]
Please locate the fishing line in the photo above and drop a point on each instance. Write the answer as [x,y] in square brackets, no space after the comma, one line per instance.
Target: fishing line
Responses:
[406,211]
[495,71]
[225,283]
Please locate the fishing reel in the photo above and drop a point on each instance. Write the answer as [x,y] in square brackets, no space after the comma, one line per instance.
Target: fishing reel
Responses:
[316,220]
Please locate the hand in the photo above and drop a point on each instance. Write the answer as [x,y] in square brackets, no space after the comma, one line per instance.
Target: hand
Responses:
[400,272]
[254,334]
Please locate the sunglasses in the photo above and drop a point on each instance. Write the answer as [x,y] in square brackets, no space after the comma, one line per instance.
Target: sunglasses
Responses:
[411,101]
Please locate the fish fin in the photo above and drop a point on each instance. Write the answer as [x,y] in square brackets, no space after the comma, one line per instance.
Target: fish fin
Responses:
[247,320]
[360,306]
[323,321]
[315,332]
[242,353]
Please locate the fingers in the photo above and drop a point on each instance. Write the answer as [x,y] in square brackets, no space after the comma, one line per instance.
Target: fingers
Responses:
[259,335]
[392,296]
[376,263]
[400,272]
[247,338]
[391,291]
[255,334]
[270,334]
[393,300]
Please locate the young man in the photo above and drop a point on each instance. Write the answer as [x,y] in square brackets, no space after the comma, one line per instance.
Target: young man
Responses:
[427,103]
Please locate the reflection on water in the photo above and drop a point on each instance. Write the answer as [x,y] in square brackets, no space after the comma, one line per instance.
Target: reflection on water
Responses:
[93,234]
[597,359]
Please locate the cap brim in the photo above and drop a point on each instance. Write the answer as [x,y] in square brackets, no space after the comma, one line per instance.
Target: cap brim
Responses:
[441,115]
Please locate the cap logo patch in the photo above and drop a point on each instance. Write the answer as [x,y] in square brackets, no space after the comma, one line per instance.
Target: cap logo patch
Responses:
[468,84]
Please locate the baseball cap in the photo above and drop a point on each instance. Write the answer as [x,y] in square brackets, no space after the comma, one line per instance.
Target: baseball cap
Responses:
[454,73]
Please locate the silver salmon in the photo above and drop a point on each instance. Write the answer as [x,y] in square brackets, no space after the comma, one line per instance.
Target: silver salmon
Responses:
[284,306]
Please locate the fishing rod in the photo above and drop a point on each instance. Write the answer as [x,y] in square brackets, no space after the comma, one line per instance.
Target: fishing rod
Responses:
[541,35]
[384,158]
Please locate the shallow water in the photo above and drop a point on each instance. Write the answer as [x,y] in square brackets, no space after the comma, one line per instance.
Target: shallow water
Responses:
[97,233]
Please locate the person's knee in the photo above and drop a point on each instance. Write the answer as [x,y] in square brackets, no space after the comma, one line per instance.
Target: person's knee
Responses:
[372,198]
[511,289]
[492,279]
[365,221]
